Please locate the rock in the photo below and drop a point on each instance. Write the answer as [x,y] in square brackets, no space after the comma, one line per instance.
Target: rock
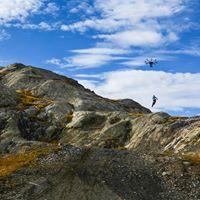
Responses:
[58,88]
[59,140]
[8,97]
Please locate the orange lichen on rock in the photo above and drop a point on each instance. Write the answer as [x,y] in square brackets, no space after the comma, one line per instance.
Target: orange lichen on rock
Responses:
[12,163]
[69,118]
[28,99]
[136,114]
[193,157]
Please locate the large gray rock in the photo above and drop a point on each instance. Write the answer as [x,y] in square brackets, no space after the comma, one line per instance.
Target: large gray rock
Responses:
[65,142]
[8,97]
[55,87]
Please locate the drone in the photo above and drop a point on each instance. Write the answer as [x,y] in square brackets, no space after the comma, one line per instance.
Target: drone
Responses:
[151,62]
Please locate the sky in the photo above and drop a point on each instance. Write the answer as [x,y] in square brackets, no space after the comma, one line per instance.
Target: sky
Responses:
[104,44]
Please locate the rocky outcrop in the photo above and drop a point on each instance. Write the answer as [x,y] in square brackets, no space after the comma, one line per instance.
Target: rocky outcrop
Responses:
[45,84]
[66,142]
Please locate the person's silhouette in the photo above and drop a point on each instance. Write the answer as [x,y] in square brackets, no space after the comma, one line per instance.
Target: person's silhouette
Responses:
[154,100]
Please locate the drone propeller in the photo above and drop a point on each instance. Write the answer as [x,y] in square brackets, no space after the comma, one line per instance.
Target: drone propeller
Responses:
[151,62]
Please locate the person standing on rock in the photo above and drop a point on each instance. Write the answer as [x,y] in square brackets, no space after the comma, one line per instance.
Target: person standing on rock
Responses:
[154,100]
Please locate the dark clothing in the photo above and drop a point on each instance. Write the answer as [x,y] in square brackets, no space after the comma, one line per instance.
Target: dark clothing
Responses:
[154,102]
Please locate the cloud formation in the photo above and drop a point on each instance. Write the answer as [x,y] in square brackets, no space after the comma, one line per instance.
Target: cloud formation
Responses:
[175,91]
[131,23]
[89,58]
[17,13]
[4,35]
[18,9]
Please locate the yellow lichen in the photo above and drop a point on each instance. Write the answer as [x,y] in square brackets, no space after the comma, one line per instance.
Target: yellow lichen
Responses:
[121,148]
[69,118]
[12,163]
[136,114]
[193,157]
[28,99]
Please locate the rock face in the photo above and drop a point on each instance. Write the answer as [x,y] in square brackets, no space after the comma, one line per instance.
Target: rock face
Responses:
[46,84]
[66,142]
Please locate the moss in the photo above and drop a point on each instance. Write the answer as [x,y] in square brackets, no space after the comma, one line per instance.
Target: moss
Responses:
[12,163]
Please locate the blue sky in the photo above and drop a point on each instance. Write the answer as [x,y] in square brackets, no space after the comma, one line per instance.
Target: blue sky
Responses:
[104,43]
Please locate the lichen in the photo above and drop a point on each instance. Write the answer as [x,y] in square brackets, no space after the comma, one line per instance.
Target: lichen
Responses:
[69,118]
[12,163]
[193,157]
[28,99]
[136,114]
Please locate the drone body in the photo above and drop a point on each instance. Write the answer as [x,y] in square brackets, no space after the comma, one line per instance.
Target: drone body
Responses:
[151,62]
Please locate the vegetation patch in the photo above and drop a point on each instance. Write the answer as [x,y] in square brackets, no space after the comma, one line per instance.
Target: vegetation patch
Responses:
[172,119]
[28,99]
[12,163]
[193,157]
[136,114]
[69,117]
[121,148]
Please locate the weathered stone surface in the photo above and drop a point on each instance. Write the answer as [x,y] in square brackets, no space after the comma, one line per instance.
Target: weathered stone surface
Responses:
[8,97]
[52,86]
[60,141]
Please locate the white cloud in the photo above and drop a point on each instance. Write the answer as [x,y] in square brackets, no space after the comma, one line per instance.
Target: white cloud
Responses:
[16,13]
[193,51]
[129,12]
[175,91]
[18,9]
[135,38]
[132,22]
[90,58]
[98,76]
[140,60]
[80,61]
[105,25]
[51,8]
[40,26]
[56,62]
[4,35]
[105,51]
[86,61]
[83,6]
[138,9]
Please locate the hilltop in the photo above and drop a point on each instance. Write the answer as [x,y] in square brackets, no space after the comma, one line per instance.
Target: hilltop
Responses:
[66,142]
